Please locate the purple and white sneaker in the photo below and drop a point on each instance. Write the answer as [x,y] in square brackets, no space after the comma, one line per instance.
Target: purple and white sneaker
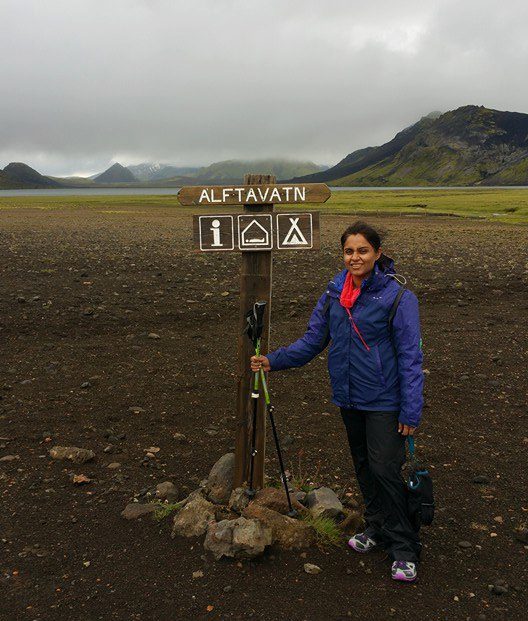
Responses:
[404,571]
[362,543]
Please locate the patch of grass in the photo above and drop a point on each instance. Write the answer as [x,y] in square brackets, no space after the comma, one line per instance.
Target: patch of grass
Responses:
[497,204]
[327,531]
[300,479]
[164,509]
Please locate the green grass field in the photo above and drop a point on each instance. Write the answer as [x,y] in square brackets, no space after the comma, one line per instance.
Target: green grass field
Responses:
[503,205]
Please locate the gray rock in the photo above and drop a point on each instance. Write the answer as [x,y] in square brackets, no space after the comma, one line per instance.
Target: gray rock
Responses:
[220,479]
[72,453]
[286,532]
[499,588]
[275,499]
[166,491]
[192,520]
[240,538]
[300,497]
[310,568]
[7,458]
[323,502]
[481,479]
[352,523]
[521,534]
[136,510]
[238,500]
[153,335]
[464,545]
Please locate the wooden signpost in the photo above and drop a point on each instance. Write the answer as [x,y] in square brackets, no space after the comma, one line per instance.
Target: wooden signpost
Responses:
[255,233]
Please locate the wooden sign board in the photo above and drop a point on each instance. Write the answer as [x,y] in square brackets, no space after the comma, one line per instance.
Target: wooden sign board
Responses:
[254,195]
[262,231]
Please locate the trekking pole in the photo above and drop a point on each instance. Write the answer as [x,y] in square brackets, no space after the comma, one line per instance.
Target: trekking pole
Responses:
[255,324]
[270,407]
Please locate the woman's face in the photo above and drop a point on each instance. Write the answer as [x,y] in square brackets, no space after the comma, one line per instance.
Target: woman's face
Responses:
[359,256]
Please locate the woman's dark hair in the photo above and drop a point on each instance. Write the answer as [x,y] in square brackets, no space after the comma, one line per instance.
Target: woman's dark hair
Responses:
[373,236]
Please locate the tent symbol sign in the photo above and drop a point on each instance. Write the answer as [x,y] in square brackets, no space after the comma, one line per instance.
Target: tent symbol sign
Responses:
[294,230]
[255,232]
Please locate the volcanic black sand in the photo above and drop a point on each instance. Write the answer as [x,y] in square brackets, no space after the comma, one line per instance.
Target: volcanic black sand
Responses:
[81,290]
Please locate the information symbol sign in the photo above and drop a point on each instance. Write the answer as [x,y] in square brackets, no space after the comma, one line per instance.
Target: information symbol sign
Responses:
[216,233]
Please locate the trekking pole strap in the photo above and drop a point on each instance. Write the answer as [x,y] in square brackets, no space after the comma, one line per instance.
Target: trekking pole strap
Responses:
[410,440]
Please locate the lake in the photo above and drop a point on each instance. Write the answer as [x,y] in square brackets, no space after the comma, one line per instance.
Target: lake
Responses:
[169,191]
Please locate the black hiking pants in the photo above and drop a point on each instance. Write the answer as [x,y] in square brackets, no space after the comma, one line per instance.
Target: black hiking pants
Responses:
[378,451]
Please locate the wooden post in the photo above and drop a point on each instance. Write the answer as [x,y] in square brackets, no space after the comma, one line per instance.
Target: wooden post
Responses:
[255,286]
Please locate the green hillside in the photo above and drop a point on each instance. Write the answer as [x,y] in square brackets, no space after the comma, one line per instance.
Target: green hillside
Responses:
[17,175]
[234,170]
[469,146]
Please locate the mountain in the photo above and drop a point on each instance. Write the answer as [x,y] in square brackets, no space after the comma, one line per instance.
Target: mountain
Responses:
[18,175]
[149,171]
[9,184]
[233,171]
[471,145]
[115,174]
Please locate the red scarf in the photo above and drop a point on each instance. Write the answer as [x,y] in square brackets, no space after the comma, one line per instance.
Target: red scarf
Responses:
[347,299]
[349,294]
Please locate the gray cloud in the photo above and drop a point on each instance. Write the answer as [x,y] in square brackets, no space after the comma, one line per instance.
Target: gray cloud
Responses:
[87,82]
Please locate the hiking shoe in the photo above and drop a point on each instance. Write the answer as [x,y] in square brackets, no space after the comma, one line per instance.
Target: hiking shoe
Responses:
[404,571]
[362,543]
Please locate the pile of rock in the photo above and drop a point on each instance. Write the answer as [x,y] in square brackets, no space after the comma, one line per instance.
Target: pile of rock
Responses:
[238,526]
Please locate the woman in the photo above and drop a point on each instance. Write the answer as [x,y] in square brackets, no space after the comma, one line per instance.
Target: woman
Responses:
[377,382]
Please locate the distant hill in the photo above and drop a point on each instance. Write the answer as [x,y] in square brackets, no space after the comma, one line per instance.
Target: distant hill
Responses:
[233,171]
[6,183]
[149,171]
[21,176]
[472,145]
[116,174]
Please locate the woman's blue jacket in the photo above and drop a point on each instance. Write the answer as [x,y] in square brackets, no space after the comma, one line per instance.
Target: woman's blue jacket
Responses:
[386,376]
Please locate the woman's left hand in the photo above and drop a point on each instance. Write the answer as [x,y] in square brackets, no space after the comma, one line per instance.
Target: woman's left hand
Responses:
[405,430]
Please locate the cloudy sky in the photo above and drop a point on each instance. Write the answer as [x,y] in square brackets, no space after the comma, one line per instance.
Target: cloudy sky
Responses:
[84,83]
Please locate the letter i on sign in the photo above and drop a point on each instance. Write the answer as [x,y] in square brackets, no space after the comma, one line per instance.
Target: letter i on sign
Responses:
[215,228]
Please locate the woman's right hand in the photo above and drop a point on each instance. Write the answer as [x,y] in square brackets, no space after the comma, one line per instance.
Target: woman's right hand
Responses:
[260,362]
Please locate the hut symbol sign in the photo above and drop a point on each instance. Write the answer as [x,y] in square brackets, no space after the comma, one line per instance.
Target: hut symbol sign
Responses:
[257,233]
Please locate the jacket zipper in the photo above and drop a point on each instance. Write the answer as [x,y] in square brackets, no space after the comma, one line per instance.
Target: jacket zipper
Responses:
[356,329]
